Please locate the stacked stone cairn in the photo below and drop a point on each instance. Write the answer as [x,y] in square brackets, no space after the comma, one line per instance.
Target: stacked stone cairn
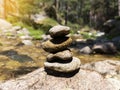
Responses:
[60,58]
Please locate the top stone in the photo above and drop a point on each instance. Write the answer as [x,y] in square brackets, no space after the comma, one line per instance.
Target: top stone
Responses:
[59,31]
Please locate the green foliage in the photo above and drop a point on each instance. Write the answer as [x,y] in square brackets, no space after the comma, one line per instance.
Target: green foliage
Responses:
[87,35]
[27,7]
[73,13]
[12,19]
[1,44]
[49,21]
[35,33]
[46,24]
[117,17]
[74,27]
[38,29]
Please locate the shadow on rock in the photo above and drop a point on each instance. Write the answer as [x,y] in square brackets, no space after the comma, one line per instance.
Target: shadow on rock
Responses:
[23,70]
[61,74]
[15,56]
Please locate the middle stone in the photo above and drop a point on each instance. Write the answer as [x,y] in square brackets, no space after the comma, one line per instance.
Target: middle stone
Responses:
[56,44]
[62,56]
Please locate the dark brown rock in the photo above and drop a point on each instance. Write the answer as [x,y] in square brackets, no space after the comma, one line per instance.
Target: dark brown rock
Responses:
[55,45]
[105,48]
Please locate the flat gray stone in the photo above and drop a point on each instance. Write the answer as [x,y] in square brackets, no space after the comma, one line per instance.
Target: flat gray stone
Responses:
[59,31]
[86,50]
[105,48]
[64,67]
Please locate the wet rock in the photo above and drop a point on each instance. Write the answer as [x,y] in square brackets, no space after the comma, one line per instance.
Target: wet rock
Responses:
[86,50]
[105,48]
[116,41]
[65,55]
[66,67]
[90,41]
[55,45]
[59,31]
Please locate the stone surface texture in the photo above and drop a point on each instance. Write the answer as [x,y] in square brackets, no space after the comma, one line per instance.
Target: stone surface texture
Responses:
[60,59]
[105,48]
[59,31]
[64,67]
[84,79]
[56,45]
[63,55]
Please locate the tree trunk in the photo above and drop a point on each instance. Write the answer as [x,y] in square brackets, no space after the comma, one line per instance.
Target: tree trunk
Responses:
[66,13]
[5,11]
[56,2]
[119,7]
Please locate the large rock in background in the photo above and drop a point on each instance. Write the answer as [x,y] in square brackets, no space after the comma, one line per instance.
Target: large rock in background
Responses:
[4,24]
[116,41]
[10,31]
[112,27]
[107,68]
[105,48]
[86,50]
[102,75]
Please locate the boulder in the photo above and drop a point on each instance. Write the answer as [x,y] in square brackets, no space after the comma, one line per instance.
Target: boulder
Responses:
[55,45]
[59,31]
[85,79]
[105,48]
[4,24]
[64,67]
[109,25]
[112,27]
[116,41]
[107,68]
[86,50]
[65,55]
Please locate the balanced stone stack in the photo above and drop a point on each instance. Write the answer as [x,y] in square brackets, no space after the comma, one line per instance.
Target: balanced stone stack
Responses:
[60,59]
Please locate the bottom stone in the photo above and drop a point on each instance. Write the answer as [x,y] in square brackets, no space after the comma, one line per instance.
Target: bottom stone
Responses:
[64,67]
